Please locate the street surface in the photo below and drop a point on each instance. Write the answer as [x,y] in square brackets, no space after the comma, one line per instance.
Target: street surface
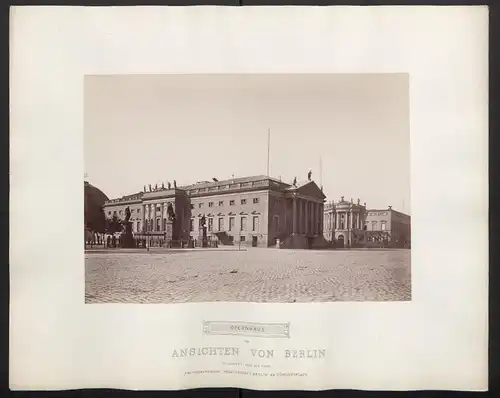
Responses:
[254,275]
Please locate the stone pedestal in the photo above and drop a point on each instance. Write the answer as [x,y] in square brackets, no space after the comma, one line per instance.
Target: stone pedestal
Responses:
[204,240]
[127,237]
[169,233]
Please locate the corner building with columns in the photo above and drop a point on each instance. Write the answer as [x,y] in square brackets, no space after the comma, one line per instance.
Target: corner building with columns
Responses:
[257,211]
[344,223]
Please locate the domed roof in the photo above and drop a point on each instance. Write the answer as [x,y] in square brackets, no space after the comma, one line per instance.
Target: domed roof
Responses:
[94,200]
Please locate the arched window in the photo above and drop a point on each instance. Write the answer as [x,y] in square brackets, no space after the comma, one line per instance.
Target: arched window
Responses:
[164,224]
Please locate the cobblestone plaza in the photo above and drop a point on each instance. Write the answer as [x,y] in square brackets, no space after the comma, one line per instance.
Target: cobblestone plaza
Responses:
[253,275]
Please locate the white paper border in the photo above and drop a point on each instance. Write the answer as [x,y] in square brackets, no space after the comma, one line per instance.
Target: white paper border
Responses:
[438,341]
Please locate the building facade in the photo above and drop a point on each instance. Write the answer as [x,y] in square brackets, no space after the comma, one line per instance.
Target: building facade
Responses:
[257,211]
[344,222]
[388,227]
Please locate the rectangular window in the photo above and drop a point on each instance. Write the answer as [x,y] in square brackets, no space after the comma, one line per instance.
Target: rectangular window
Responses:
[191,225]
[231,223]
[138,226]
[109,213]
[221,224]
[200,205]
[255,223]
[210,224]
[231,238]
[120,213]
[231,203]
[210,204]
[243,224]
[243,201]
[383,225]
[192,206]
[221,203]
[242,239]
[374,225]
[255,200]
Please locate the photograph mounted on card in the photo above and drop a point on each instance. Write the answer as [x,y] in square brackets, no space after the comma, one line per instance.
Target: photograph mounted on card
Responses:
[301,206]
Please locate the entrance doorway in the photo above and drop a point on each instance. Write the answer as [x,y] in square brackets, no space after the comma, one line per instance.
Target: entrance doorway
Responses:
[254,241]
[340,241]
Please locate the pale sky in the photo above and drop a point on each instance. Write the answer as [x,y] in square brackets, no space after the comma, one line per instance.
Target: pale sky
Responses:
[145,129]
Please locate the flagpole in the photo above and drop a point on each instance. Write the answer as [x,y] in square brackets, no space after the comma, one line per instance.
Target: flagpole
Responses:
[268,148]
[320,172]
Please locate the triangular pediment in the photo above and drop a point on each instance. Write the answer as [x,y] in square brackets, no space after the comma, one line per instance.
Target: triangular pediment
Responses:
[311,189]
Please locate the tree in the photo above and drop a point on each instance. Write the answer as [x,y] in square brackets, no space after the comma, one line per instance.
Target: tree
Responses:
[94,200]
[113,225]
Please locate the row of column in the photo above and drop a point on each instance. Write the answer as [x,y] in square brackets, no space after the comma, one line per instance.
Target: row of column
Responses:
[352,220]
[307,217]
[149,213]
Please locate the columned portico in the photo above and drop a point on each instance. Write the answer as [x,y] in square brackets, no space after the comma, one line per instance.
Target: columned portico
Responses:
[294,216]
[306,230]
[143,217]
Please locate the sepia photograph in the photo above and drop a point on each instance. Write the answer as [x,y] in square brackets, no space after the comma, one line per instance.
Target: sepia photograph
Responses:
[247,188]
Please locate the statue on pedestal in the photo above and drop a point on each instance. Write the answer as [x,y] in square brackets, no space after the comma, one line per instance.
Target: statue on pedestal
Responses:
[170,212]
[127,237]
[204,240]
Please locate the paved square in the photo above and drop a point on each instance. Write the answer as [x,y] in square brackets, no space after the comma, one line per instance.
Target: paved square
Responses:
[254,275]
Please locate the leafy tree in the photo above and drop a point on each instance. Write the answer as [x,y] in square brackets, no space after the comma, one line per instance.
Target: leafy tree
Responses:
[113,225]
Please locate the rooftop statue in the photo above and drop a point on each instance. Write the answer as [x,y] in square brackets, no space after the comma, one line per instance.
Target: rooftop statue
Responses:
[175,184]
[149,187]
[169,185]
[156,187]
[162,185]
[294,183]
[144,188]
[358,201]
[309,175]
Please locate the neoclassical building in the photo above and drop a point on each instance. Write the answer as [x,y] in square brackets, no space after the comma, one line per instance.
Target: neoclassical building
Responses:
[344,222]
[388,227]
[258,211]
[349,224]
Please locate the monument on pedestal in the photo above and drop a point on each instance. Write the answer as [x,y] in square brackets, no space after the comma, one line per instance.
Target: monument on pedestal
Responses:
[169,228]
[204,240]
[127,238]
